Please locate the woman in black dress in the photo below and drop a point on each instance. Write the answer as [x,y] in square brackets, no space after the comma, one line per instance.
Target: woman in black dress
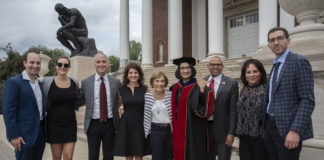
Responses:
[250,127]
[130,141]
[61,95]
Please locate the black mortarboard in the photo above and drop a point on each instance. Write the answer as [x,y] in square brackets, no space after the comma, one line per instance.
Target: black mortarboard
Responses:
[191,61]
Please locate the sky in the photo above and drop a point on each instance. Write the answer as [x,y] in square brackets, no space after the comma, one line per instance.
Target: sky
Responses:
[27,23]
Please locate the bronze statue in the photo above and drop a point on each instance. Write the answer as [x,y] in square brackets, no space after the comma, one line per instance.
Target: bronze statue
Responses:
[74,30]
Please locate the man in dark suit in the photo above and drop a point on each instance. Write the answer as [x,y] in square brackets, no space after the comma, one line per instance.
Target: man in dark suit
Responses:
[101,116]
[222,124]
[23,105]
[289,100]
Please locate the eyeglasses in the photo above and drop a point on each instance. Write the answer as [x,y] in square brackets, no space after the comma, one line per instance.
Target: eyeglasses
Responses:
[279,39]
[185,68]
[215,64]
[65,65]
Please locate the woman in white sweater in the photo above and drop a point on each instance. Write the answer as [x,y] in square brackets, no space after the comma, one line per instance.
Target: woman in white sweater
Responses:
[157,117]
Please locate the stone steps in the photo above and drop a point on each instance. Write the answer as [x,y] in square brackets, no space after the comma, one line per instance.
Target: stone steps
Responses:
[312,149]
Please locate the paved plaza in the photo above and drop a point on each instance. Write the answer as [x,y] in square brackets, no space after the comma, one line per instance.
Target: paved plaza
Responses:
[314,152]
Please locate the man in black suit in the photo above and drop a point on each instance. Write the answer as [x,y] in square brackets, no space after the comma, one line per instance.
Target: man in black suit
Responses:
[222,124]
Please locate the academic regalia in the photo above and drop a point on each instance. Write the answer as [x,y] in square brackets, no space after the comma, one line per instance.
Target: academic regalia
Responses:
[190,108]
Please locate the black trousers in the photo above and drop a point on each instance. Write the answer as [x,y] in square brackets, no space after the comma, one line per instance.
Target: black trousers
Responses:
[161,141]
[101,132]
[223,151]
[36,151]
[252,148]
[275,144]
[211,155]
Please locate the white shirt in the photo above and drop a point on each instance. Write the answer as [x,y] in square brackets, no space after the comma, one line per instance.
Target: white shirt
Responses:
[160,112]
[37,92]
[96,107]
[217,81]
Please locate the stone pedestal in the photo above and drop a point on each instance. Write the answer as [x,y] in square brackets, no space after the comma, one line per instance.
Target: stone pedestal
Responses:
[306,13]
[81,67]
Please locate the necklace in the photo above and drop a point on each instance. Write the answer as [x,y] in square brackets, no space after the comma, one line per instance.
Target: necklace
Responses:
[158,103]
[158,96]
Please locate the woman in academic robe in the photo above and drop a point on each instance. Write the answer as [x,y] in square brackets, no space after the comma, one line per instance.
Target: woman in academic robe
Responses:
[192,103]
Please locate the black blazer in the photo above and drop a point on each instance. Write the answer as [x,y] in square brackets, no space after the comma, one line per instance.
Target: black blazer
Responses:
[225,111]
[293,97]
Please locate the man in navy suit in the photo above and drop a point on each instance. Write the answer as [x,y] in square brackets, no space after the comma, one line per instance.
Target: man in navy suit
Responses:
[23,105]
[289,100]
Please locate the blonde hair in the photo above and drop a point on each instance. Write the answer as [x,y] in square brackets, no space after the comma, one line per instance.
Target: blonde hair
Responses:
[156,75]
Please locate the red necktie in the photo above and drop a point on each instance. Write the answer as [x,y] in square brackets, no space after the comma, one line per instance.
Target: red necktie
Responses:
[103,101]
[211,84]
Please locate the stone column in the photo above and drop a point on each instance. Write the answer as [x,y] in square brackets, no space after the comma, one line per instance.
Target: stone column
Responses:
[215,28]
[199,29]
[286,20]
[147,34]
[175,49]
[267,19]
[124,33]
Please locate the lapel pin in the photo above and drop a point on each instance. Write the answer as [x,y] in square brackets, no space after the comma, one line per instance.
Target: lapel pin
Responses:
[223,83]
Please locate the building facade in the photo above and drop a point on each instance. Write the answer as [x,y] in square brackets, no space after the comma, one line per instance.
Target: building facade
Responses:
[202,28]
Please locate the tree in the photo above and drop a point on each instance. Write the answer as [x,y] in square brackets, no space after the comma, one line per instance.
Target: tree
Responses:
[114,63]
[52,53]
[135,50]
[9,67]
[12,65]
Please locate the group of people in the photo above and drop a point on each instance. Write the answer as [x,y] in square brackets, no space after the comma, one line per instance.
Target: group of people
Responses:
[196,118]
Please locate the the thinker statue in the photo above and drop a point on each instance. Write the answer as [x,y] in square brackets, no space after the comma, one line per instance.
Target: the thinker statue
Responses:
[74,30]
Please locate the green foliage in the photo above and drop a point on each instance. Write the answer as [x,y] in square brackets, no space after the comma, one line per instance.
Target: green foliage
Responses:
[1,88]
[9,67]
[135,50]
[12,65]
[52,53]
[114,63]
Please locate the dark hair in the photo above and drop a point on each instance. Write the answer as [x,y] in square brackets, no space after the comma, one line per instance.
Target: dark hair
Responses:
[259,66]
[25,56]
[159,74]
[62,57]
[279,29]
[135,66]
[193,71]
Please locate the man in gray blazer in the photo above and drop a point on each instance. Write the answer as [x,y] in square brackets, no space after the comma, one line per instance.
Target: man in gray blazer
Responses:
[289,99]
[221,125]
[101,116]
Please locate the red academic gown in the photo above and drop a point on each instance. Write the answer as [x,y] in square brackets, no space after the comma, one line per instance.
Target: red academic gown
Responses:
[190,108]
